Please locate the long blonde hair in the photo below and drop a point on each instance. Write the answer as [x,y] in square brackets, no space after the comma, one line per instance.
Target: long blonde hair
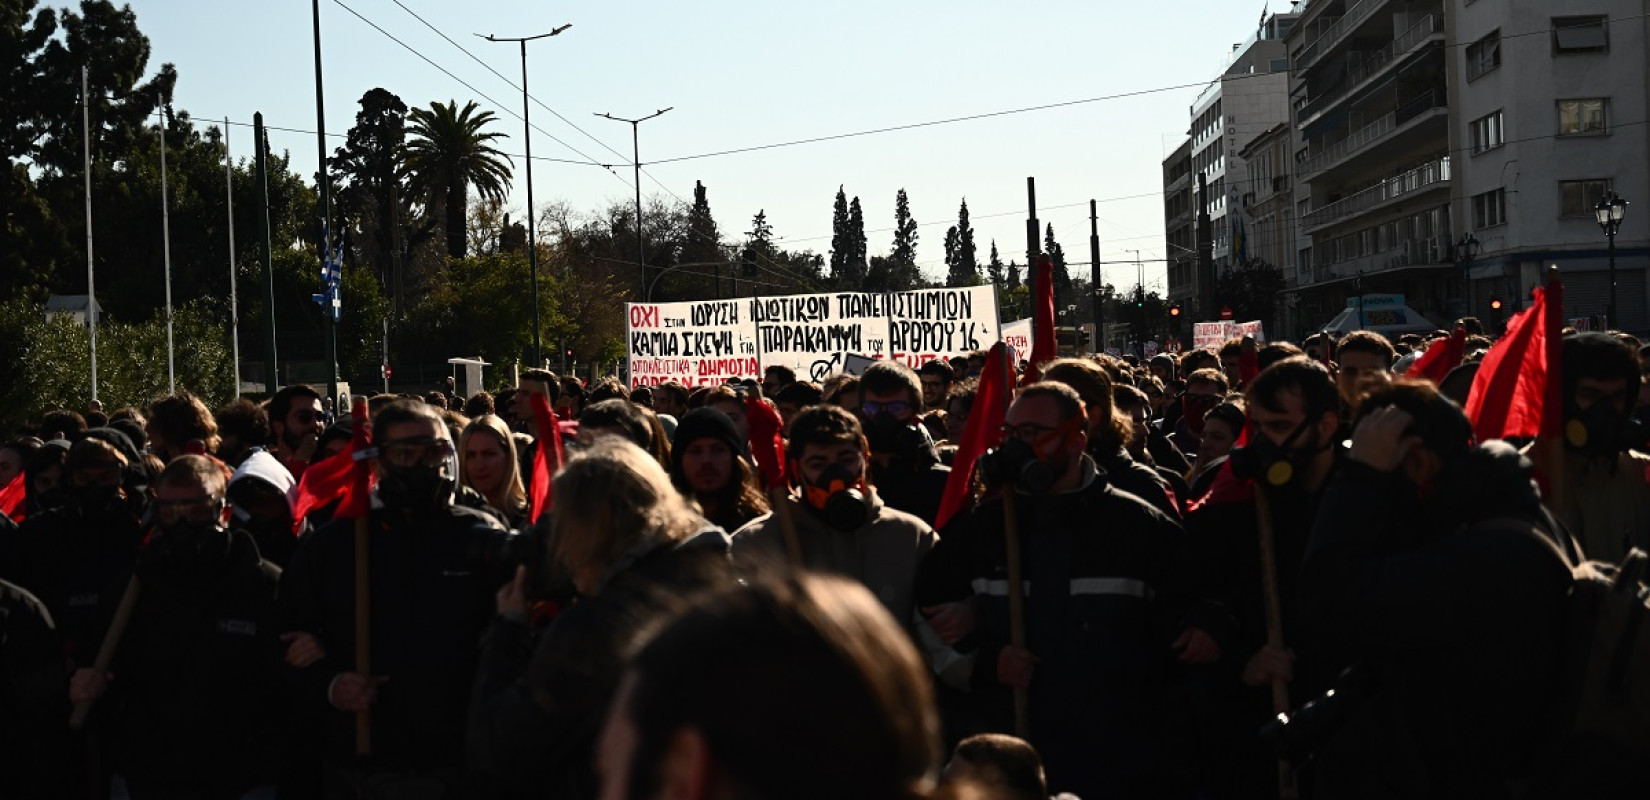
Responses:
[515,495]
[614,503]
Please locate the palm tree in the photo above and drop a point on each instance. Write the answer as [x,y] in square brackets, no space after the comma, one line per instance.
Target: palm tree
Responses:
[448,151]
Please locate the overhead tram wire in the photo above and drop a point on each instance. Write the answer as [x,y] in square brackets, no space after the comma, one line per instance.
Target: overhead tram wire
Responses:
[466,84]
[551,159]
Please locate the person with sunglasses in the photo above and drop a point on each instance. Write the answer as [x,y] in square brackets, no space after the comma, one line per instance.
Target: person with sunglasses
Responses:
[1097,567]
[904,464]
[296,420]
[189,706]
[436,565]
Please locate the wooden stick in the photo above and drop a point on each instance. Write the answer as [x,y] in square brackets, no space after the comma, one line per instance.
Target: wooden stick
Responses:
[363,626]
[1016,607]
[1274,623]
[787,525]
[106,652]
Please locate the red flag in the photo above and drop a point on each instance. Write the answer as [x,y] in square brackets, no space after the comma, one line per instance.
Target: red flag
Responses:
[1042,323]
[345,476]
[1518,392]
[547,457]
[12,496]
[766,444]
[983,431]
[1441,357]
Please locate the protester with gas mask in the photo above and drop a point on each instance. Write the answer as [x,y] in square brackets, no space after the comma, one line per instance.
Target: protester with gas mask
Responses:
[1291,453]
[627,545]
[1435,562]
[706,468]
[904,464]
[1095,561]
[835,520]
[1606,472]
[76,556]
[260,497]
[435,566]
[190,699]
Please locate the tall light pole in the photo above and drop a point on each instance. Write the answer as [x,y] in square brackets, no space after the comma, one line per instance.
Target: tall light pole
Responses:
[1609,212]
[636,158]
[329,307]
[1466,250]
[532,221]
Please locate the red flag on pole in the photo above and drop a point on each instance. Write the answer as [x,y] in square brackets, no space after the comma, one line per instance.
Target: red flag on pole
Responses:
[1517,393]
[344,476]
[1043,348]
[1440,358]
[12,496]
[766,443]
[983,432]
[547,457]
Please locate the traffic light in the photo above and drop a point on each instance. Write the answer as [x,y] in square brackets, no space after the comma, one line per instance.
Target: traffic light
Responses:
[1174,310]
[1495,303]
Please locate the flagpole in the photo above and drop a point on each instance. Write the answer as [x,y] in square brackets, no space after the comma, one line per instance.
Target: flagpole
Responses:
[91,290]
[166,249]
[234,303]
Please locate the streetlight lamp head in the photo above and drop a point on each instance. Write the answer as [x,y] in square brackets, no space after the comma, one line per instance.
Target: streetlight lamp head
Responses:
[1609,212]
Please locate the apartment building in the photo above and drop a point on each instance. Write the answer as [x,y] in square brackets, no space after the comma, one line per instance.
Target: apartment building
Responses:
[1249,97]
[1419,125]
[1180,224]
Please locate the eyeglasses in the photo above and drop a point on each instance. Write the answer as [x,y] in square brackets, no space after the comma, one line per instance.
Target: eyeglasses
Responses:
[423,451]
[199,508]
[98,471]
[305,415]
[1032,433]
[897,408]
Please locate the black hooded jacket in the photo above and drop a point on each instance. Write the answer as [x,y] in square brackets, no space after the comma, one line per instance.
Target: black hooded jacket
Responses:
[1451,607]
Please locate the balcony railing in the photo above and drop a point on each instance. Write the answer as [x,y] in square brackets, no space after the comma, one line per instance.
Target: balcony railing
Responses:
[1335,32]
[1373,132]
[1408,183]
[1373,63]
[1407,253]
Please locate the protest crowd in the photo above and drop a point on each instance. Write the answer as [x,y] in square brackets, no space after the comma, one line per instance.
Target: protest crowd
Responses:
[1350,568]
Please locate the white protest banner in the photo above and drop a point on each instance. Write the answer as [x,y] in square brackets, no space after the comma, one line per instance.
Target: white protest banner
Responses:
[695,343]
[812,334]
[1214,334]
[1017,334]
[926,324]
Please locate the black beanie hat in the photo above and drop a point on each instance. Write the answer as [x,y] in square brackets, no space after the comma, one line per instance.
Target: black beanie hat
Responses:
[702,423]
[117,439]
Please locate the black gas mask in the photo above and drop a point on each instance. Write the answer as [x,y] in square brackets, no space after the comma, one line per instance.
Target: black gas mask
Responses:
[907,442]
[418,474]
[1600,430]
[189,540]
[838,498]
[1016,462]
[1276,465]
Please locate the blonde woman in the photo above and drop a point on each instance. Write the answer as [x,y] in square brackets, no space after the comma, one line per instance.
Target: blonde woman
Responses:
[487,460]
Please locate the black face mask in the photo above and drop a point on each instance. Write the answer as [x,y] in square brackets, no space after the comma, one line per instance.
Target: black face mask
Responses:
[50,498]
[1599,431]
[94,499]
[185,549]
[416,488]
[837,499]
[1015,463]
[1277,465]
[887,435]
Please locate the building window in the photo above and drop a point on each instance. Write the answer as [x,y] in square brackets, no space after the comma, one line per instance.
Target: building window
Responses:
[1577,198]
[1580,35]
[1489,208]
[1487,133]
[1584,116]
[1484,55]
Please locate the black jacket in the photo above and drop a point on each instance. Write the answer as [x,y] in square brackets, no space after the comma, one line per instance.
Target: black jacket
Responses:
[539,706]
[34,704]
[195,696]
[1137,479]
[913,487]
[1453,608]
[1095,561]
[432,587]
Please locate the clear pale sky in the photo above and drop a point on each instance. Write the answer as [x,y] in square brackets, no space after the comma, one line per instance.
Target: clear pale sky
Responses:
[742,73]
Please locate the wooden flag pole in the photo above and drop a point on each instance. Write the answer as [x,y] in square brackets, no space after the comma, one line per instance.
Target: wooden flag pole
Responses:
[1274,623]
[363,601]
[1016,608]
[106,652]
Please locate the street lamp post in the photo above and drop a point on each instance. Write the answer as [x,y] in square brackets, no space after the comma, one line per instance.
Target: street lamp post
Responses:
[1609,212]
[636,156]
[532,223]
[1466,250]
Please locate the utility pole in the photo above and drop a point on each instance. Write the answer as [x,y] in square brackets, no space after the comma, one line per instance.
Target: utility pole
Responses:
[166,251]
[636,157]
[532,221]
[330,303]
[1099,314]
[272,381]
[91,285]
[234,299]
[1033,250]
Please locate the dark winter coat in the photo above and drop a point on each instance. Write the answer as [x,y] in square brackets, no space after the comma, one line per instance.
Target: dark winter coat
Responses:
[34,704]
